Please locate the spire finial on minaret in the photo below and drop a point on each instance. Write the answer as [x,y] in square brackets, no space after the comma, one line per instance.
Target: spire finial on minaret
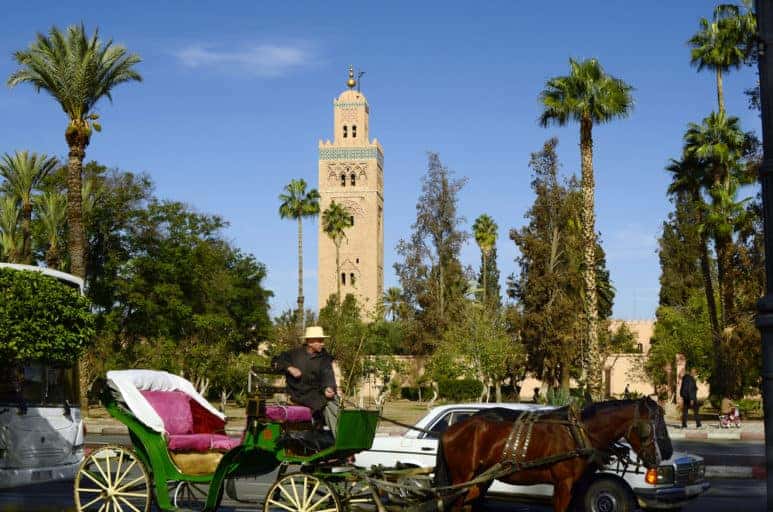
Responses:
[351,82]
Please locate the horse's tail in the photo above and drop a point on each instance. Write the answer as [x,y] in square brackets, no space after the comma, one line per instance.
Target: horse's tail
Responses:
[442,475]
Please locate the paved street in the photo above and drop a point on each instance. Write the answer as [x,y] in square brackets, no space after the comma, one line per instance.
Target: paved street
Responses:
[745,495]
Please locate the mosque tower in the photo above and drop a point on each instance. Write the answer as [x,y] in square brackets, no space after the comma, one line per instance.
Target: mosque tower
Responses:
[351,173]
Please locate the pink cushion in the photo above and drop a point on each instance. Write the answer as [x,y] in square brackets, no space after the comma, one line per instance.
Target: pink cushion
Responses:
[289,413]
[174,409]
[201,442]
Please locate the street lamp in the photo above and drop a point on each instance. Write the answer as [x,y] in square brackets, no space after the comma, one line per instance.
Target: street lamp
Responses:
[764,11]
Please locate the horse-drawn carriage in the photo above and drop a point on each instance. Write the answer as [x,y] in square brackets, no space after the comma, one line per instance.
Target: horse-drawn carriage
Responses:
[182,455]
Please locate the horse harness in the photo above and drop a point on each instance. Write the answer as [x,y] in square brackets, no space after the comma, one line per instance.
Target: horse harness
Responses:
[517,445]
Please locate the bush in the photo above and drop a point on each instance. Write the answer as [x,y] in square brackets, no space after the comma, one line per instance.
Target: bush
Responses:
[42,319]
[460,390]
[412,393]
[560,397]
[750,407]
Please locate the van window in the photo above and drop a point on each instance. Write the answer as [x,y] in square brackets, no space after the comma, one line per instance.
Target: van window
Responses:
[39,384]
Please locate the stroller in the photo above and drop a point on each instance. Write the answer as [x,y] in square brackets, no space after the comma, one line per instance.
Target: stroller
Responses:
[729,415]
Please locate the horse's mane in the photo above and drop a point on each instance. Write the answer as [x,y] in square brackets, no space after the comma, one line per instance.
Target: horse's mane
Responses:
[510,415]
[599,407]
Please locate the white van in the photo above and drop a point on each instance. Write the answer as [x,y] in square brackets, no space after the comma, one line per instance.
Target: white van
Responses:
[41,430]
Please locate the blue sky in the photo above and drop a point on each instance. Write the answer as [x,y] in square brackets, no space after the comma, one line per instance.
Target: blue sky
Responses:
[236,96]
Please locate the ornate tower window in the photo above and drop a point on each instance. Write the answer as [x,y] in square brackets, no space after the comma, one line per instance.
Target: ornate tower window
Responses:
[343,179]
[353,178]
[351,219]
[351,278]
[346,132]
[343,277]
[354,131]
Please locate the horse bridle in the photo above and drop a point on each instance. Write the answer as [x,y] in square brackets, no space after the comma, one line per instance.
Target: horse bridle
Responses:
[641,424]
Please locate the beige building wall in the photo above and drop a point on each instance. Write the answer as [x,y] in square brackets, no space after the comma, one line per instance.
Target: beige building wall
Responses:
[351,173]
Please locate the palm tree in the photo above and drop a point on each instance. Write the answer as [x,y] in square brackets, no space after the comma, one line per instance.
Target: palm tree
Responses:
[725,42]
[392,300]
[717,146]
[299,204]
[24,172]
[485,231]
[588,96]
[52,211]
[10,236]
[78,71]
[336,219]
[687,180]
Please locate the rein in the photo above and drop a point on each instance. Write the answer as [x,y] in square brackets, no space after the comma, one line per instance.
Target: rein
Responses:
[517,445]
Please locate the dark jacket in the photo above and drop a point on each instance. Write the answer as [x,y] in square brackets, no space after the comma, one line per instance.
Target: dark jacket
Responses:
[316,375]
[689,389]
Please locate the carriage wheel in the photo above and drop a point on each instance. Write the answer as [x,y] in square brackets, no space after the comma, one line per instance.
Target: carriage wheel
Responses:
[112,478]
[189,495]
[299,492]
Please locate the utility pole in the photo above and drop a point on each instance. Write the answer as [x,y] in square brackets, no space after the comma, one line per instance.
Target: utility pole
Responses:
[764,12]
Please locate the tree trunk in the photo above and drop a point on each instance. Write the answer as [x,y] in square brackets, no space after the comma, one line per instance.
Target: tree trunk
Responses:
[76,242]
[338,271]
[589,259]
[720,92]
[301,312]
[485,271]
[498,391]
[26,230]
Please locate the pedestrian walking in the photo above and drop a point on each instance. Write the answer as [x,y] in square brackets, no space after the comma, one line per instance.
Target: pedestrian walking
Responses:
[689,394]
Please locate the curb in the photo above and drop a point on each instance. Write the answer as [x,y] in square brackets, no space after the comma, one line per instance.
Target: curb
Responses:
[723,435]
[736,472]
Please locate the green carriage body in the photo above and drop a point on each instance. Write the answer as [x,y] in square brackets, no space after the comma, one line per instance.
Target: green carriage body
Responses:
[260,452]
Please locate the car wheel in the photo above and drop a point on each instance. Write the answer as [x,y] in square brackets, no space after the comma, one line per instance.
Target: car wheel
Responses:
[607,495]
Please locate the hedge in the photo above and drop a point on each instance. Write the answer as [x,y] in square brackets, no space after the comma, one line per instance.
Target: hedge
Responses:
[41,319]
[461,389]
[412,393]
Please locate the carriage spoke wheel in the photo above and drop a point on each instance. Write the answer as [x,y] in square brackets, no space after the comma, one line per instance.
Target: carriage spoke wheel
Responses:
[112,478]
[189,495]
[299,492]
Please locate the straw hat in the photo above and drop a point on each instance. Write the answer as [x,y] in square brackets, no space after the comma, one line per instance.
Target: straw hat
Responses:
[314,331]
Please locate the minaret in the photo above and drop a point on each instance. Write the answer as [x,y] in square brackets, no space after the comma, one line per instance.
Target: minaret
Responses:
[351,173]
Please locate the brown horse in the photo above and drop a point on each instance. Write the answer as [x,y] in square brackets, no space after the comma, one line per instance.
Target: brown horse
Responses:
[555,447]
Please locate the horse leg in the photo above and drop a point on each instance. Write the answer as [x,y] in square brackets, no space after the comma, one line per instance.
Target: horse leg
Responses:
[562,494]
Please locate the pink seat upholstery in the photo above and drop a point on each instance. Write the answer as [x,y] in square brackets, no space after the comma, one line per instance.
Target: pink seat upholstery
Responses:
[190,427]
[174,409]
[202,442]
[288,413]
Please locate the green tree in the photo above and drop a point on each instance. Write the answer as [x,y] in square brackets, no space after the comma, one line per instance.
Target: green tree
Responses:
[51,209]
[724,43]
[484,230]
[393,301]
[588,96]
[548,289]
[430,272]
[348,335]
[336,219]
[23,172]
[298,204]
[686,185]
[78,71]
[10,234]
[718,145]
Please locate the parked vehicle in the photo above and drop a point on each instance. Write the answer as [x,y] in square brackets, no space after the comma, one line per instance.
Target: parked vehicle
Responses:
[41,430]
[616,488]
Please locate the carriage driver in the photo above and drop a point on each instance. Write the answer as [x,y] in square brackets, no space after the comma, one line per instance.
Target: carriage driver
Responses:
[310,378]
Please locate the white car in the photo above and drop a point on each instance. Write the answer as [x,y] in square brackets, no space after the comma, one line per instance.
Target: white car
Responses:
[675,482]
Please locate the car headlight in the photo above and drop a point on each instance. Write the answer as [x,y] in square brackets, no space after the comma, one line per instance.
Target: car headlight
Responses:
[660,475]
